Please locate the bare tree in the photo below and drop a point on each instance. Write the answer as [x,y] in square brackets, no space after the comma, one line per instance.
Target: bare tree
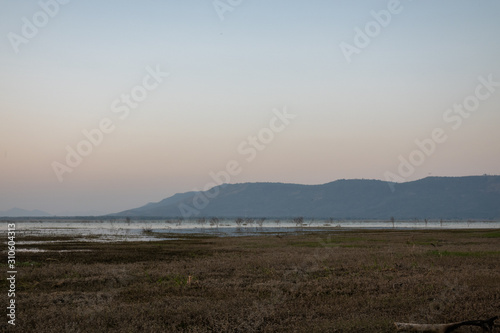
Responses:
[298,221]
[214,221]
[201,221]
[249,221]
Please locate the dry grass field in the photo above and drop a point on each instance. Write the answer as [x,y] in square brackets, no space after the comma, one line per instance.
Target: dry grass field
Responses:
[331,281]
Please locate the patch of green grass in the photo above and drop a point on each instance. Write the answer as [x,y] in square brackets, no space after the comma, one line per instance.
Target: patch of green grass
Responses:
[24,264]
[357,246]
[473,254]
[425,242]
[314,244]
[331,242]
[375,240]
[493,234]
[172,280]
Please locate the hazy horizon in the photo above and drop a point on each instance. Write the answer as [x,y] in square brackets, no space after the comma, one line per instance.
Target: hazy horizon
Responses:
[287,91]
[99,213]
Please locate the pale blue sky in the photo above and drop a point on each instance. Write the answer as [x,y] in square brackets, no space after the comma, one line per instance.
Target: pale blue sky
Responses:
[353,119]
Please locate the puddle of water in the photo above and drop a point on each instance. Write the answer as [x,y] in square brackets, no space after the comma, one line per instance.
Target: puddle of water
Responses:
[103,239]
[30,250]
[108,239]
[43,250]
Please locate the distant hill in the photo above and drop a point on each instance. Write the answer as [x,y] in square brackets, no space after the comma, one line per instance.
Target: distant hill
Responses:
[473,197]
[85,213]
[18,212]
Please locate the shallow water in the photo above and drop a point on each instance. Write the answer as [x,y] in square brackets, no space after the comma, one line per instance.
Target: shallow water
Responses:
[151,230]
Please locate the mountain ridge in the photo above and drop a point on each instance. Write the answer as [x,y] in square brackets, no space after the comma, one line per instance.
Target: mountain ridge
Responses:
[19,212]
[465,197]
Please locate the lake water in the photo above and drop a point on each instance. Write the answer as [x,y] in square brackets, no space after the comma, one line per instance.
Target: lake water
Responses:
[149,230]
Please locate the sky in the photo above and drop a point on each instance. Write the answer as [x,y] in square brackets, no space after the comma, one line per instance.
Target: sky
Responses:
[109,105]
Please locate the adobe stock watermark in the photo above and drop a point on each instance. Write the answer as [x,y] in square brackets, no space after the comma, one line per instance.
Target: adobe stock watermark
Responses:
[454,117]
[11,273]
[372,29]
[249,149]
[223,6]
[122,107]
[30,28]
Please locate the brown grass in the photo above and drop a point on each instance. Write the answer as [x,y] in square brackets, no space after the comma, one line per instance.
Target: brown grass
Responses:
[359,281]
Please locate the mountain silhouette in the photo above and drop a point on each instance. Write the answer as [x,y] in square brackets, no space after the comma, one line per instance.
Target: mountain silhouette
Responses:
[471,197]
[18,212]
